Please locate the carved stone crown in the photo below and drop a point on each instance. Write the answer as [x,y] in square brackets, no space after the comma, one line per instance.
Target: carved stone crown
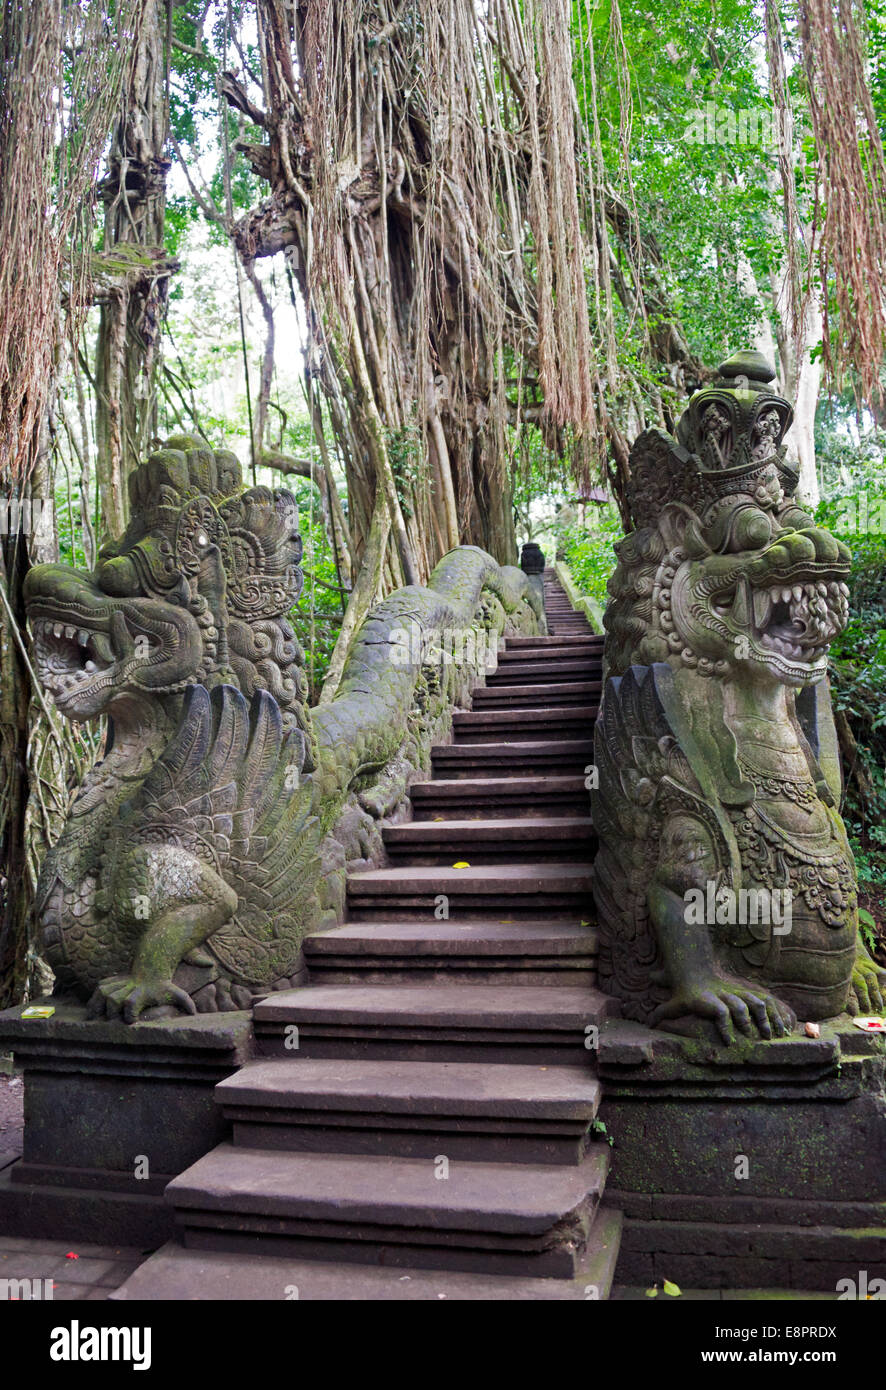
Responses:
[729,442]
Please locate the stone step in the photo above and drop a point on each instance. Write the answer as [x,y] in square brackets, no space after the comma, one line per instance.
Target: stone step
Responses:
[578,639]
[465,1110]
[481,797]
[535,696]
[497,1218]
[179,1275]
[554,652]
[504,952]
[491,841]
[497,890]
[522,725]
[435,1022]
[544,672]
[532,756]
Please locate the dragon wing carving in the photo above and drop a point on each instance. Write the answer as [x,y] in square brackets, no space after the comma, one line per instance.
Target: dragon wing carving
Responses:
[229,790]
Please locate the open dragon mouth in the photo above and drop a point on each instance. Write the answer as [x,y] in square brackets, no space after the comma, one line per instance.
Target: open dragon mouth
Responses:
[790,625]
[70,659]
[800,621]
[93,650]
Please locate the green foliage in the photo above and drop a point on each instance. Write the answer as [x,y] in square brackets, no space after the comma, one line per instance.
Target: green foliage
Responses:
[68,526]
[590,553]
[702,205]
[858,664]
[407,463]
[181,214]
[316,618]
[599,1127]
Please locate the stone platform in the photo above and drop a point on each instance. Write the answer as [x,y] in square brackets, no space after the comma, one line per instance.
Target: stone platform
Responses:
[763,1165]
[112,1113]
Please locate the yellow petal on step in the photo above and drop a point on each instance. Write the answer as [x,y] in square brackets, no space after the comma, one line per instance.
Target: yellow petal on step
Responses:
[462,864]
[672,1289]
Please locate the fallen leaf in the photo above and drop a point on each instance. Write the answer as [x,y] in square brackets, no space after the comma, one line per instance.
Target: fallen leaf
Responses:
[672,1289]
[653,1292]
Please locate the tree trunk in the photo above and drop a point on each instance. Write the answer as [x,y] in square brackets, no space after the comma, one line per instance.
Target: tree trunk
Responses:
[801,384]
[128,346]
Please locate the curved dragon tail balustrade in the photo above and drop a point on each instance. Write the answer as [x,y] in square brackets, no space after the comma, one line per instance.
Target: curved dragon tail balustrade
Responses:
[215,832]
[725,886]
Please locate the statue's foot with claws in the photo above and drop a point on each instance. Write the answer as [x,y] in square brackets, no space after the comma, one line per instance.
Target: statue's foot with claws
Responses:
[121,996]
[868,992]
[729,1005]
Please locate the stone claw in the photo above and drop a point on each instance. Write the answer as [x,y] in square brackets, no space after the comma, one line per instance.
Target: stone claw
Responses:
[730,1005]
[868,992]
[121,996]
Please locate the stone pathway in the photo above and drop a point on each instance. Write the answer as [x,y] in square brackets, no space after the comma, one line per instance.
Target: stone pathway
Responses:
[628,1293]
[93,1275]
[96,1271]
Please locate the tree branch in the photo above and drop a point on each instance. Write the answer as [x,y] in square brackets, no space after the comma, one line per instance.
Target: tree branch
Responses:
[205,201]
[194,52]
[235,95]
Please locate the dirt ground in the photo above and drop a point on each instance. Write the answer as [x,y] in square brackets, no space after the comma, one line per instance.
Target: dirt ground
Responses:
[12,1094]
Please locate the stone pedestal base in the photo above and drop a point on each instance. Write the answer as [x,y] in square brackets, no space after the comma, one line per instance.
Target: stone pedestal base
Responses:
[758,1166]
[112,1113]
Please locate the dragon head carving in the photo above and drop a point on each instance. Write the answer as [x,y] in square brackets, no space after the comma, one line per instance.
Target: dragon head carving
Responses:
[196,592]
[726,573]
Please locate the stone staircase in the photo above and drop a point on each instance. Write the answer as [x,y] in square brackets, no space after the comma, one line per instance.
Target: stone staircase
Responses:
[426,1104]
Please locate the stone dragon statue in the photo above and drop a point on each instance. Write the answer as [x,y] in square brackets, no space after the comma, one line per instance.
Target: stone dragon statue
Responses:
[715,746]
[187,829]
[218,828]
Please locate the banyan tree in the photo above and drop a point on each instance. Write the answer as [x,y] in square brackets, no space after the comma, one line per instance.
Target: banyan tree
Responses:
[423,185]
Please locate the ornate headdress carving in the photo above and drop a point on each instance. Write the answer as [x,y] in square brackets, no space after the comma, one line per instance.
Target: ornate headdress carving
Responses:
[728,442]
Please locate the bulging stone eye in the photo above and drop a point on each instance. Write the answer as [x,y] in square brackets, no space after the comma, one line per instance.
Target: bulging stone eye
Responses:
[752,530]
[118,577]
